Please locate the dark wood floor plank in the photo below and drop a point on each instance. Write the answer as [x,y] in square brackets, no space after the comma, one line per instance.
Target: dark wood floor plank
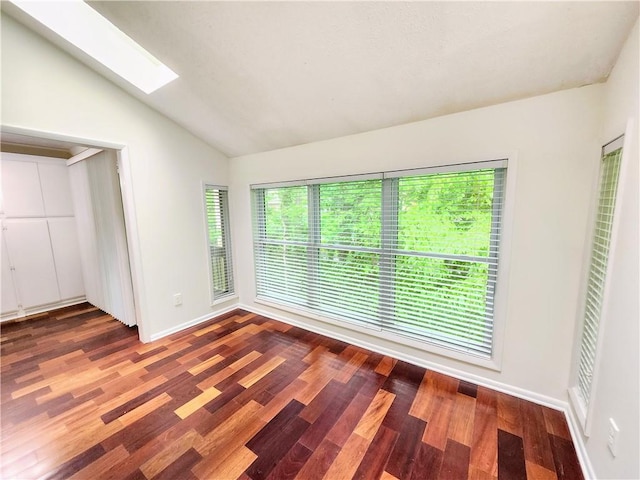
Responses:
[291,463]
[428,463]
[468,388]
[511,462]
[319,404]
[350,417]
[455,462]
[277,449]
[375,460]
[316,433]
[537,448]
[406,449]
[565,458]
[319,462]
[244,396]
[263,440]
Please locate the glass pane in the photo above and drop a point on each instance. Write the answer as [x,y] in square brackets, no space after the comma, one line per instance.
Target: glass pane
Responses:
[443,298]
[282,273]
[214,217]
[350,213]
[219,271]
[447,213]
[348,283]
[286,215]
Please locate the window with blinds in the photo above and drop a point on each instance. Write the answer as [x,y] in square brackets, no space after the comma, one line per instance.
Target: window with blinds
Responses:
[414,253]
[597,273]
[218,241]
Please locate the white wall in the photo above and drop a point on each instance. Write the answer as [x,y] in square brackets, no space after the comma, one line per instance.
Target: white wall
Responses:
[556,139]
[617,393]
[44,89]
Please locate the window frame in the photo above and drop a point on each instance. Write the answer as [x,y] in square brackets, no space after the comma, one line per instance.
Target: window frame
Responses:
[215,299]
[584,409]
[388,337]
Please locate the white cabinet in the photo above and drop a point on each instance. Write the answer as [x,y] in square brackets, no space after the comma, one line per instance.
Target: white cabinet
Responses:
[31,257]
[41,266]
[21,193]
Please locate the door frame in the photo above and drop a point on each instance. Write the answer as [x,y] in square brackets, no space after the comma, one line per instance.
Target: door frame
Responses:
[128,204]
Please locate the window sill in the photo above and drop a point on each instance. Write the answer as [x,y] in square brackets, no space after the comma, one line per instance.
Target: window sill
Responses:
[580,409]
[226,299]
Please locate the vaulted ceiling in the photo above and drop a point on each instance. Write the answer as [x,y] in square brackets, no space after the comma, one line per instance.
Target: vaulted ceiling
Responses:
[256,76]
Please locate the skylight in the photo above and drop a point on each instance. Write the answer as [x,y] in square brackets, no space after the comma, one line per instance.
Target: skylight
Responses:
[81,25]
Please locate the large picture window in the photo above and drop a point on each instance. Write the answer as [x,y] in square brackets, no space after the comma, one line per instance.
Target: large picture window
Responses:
[414,253]
[218,241]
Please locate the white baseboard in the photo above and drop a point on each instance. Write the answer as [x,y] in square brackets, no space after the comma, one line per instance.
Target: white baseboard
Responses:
[578,441]
[6,317]
[190,323]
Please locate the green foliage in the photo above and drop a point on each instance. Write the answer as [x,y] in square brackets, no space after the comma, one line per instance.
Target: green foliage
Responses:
[286,214]
[446,213]
[350,213]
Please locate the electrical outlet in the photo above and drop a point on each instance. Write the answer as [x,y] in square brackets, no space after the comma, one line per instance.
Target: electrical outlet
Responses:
[177,299]
[612,439]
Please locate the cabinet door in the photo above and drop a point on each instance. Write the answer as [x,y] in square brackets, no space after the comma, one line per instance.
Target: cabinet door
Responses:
[66,253]
[56,190]
[9,300]
[21,194]
[30,252]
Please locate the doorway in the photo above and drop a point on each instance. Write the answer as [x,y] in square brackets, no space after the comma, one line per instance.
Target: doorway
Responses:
[99,178]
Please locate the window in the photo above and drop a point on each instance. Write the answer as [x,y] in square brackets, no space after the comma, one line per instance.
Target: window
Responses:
[597,273]
[414,253]
[219,241]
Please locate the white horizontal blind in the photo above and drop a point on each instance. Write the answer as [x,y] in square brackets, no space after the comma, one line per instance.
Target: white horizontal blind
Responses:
[609,173]
[416,255]
[219,241]
[446,257]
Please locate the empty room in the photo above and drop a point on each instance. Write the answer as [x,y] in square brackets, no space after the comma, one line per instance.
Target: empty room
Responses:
[320,240]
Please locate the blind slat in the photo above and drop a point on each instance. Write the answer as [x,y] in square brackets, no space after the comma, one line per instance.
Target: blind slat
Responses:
[218,237]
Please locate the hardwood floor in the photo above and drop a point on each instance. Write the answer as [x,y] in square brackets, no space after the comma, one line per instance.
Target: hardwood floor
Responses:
[243,396]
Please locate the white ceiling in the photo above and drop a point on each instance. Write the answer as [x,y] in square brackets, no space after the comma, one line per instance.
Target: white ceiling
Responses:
[256,76]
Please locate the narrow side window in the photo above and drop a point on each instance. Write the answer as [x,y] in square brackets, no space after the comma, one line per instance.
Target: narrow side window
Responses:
[597,276]
[219,241]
